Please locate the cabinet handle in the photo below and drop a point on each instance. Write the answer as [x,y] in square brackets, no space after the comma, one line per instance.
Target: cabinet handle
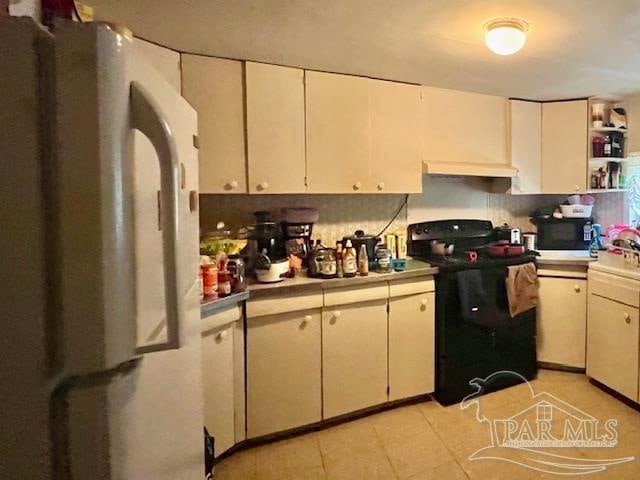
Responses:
[263,186]
[424,302]
[222,335]
[337,314]
[627,317]
[233,184]
[183,176]
[381,186]
[307,318]
[576,288]
[357,185]
[576,188]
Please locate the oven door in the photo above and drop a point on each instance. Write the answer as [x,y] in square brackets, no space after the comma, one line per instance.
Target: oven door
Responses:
[564,234]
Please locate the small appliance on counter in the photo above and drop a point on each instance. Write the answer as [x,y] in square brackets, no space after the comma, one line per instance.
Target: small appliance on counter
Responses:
[563,233]
[507,233]
[297,227]
[360,238]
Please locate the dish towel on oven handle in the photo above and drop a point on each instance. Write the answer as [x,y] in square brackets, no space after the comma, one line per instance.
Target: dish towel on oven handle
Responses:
[522,288]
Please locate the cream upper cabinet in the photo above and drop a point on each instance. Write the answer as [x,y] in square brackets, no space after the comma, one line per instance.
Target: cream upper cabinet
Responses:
[396,137]
[283,371]
[464,127]
[525,146]
[338,133]
[562,321]
[354,357]
[411,345]
[275,129]
[214,87]
[564,146]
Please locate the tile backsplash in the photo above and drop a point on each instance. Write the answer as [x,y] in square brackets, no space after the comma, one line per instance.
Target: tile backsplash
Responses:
[443,197]
[339,214]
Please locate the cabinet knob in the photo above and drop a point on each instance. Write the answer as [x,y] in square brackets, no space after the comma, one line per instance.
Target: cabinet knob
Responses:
[627,317]
[576,188]
[222,335]
[233,184]
[307,318]
[337,314]
[381,186]
[263,186]
[424,302]
[576,288]
[357,185]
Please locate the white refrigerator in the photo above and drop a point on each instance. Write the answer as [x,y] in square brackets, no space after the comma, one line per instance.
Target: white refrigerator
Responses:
[99,296]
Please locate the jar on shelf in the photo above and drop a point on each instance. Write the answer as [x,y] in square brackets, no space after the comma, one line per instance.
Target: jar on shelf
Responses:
[597,146]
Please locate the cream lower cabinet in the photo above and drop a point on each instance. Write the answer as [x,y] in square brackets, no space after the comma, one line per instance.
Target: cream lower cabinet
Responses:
[223,378]
[283,371]
[411,345]
[354,356]
[613,333]
[562,319]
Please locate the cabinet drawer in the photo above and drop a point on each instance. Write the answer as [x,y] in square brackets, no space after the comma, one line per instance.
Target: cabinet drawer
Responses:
[616,288]
[283,304]
[410,286]
[221,318]
[344,295]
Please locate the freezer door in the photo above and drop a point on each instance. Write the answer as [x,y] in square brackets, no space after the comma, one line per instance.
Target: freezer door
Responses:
[142,421]
[127,221]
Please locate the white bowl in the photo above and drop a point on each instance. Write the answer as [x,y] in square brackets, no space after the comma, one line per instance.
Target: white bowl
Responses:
[576,211]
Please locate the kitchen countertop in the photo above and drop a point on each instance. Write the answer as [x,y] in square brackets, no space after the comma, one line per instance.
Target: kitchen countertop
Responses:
[214,306]
[564,257]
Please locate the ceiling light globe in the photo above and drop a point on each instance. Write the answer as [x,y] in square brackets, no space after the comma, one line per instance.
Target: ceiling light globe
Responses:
[505,39]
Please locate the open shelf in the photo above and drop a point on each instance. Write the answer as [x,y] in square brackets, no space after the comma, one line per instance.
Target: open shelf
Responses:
[609,159]
[606,190]
[608,129]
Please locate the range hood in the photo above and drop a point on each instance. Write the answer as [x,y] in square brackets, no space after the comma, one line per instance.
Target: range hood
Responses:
[469,169]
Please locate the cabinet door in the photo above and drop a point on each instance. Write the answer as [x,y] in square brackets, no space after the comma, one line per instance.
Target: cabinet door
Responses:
[525,145]
[338,133]
[218,386]
[275,129]
[396,137]
[411,345]
[354,357]
[564,147]
[464,127]
[562,321]
[214,87]
[283,372]
[612,345]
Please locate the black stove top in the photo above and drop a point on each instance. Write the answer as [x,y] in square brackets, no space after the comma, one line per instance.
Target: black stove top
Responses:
[465,235]
[460,261]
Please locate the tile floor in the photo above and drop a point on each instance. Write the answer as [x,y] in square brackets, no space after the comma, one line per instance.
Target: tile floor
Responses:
[428,441]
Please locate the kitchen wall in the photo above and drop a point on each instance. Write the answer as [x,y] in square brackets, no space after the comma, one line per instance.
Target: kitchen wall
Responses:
[443,197]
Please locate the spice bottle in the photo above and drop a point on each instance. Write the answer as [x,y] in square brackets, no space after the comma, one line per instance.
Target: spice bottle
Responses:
[339,268]
[383,259]
[363,261]
[349,262]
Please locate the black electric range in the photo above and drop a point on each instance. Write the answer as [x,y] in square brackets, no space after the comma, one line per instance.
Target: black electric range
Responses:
[475,350]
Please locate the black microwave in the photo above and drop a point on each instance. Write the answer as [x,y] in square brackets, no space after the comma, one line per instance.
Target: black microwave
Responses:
[564,233]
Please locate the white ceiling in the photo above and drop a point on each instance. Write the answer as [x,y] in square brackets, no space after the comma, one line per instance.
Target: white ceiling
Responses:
[575,48]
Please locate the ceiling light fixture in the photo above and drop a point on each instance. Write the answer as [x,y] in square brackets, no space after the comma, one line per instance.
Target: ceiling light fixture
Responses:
[505,36]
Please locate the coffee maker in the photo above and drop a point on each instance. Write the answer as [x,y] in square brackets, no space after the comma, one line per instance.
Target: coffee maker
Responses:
[297,228]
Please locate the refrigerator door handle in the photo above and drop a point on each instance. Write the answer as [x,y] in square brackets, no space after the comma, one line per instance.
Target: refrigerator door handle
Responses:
[147,116]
